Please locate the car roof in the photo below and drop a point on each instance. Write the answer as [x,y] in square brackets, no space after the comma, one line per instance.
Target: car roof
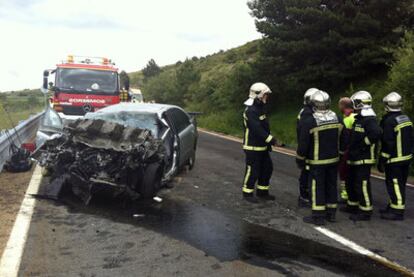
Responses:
[137,107]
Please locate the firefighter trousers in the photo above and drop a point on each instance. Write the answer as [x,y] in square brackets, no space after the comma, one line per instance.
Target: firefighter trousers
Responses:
[323,188]
[259,169]
[359,188]
[304,183]
[395,179]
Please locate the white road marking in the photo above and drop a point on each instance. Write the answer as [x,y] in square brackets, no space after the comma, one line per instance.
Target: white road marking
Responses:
[338,238]
[276,149]
[363,251]
[12,255]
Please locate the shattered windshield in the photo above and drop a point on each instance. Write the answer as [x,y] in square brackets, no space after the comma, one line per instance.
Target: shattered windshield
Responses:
[87,80]
[132,119]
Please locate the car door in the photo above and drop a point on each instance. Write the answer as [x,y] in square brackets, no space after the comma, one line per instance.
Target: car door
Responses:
[185,132]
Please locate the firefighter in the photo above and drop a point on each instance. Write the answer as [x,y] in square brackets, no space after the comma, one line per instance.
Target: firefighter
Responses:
[396,155]
[318,146]
[257,144]
[364,136]
[306,112]
[348,119]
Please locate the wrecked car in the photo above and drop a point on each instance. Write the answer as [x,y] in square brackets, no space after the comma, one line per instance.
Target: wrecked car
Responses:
[127,149]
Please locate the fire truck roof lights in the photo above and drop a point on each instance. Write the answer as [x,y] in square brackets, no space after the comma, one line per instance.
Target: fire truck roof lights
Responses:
[88,60]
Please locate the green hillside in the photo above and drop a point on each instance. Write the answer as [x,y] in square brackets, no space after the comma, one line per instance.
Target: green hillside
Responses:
[19,105]
[217,86]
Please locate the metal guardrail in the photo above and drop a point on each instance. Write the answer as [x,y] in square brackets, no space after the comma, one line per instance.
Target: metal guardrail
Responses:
[26,131]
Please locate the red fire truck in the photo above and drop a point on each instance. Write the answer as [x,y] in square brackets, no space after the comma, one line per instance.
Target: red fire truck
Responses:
[84,84]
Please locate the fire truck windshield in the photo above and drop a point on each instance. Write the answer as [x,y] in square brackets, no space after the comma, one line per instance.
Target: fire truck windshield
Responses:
[79,80]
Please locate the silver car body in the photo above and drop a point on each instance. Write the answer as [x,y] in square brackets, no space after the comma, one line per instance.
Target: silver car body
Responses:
[174,126]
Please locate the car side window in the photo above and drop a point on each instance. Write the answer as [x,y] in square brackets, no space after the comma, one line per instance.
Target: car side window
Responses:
[180,119]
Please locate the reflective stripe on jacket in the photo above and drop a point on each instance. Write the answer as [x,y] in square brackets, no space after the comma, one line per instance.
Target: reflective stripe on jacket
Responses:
[257,135]
[365,134]
[398,138]
[319,136]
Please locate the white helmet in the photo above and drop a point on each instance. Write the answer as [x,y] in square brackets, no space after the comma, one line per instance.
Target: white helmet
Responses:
[257,90]
[308,94]
[361,99]
[320,101]
[393,102]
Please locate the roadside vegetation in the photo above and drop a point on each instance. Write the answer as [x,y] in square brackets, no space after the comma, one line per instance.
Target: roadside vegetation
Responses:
[19,105]
[337,46]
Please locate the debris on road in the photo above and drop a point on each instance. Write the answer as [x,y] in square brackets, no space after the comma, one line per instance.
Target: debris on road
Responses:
[95,155]
[157,199]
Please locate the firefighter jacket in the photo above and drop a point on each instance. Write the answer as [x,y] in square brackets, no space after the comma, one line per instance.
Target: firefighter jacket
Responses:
[364,136]
[257,135]
[397,139]
[319,136]
[306,112]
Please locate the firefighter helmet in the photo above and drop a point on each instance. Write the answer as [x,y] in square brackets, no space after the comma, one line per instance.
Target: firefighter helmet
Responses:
[308,94]
[393,102]
[361,99]
[320,101]
[257,90]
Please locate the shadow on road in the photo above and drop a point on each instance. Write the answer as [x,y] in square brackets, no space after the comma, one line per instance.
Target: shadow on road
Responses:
[229,238]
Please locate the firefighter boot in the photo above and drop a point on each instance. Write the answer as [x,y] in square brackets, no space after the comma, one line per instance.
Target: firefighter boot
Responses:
[360,217]
[315,220]
[250,198]
[392,216]
[265,195]
[331,216]
[349,209]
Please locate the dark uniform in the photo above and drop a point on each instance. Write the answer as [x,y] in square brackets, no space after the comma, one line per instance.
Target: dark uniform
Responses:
[318,146]
[304,114]
[364,136]
[396,155]
[257,145]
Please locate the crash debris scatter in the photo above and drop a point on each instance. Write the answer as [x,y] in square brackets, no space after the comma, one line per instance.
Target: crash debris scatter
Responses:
[95,155]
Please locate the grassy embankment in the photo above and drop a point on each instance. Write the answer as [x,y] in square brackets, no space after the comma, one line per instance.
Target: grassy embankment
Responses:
[215,71]
[20,105]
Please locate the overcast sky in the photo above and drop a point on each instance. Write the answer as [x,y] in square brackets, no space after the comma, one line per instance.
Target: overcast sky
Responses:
[37,34]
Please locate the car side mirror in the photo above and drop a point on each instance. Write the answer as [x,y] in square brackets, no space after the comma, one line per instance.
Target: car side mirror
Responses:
[45,87]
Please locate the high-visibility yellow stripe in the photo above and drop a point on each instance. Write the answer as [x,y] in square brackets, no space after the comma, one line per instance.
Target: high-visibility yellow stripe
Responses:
[263,117]
[403,125]
[385,155]
[400,159]
[366,195]
[397,191]
[360,162]
[352,203]
[399,144]
[316,146]
[255,148]
[332,206]
[269,138]
[322,162]
[246,178]
[367,141]
[315,207]
[325,127]
[366,209]
[263,187]
[247,190]
[359,130]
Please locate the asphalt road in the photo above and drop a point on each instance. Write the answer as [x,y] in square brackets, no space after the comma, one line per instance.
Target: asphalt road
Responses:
[204,228]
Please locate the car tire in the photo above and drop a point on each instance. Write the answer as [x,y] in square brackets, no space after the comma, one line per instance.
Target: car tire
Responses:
[151,180]
[192,160]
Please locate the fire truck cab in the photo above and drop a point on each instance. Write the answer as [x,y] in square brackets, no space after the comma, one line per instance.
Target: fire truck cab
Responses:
[82,85]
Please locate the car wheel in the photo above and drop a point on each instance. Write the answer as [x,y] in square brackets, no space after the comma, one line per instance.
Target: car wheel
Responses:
[191,160]
[151,181]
